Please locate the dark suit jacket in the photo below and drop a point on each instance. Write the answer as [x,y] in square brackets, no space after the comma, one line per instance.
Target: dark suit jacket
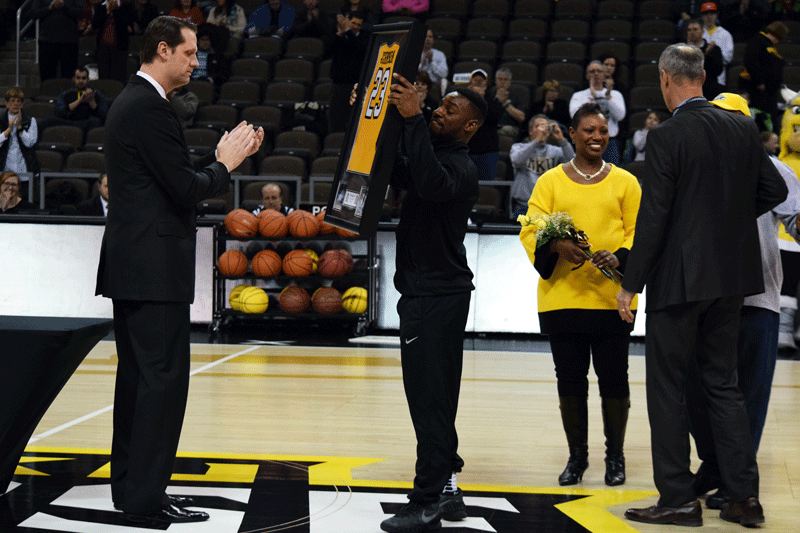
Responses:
[707,178]
[93,207]
[148,250]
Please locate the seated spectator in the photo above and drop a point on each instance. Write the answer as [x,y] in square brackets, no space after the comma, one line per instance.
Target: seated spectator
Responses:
[146,11]
[80,106]
[640,136]
[513,115]
[188,10]
[311,21]
[545,148]
[360,6]
[226,20]
[273,19]
[611,103]
[762,76]
[405,7]
[10,199]
[426,103]
[97,206]
[552,105]
[743,18]
[771,142]
[211,65]
[185,103]
[610,63]
[271,198]
[434,63]
[712,32]
[484,146]
[18,139]
[712,62]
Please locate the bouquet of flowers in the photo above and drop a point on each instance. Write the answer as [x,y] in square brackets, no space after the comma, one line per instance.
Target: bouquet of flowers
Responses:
[559,225]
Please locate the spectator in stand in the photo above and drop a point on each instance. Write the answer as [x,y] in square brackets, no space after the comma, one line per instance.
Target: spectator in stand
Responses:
[785,10]
[272,198]
[188,10]
[743,18]
[185,103]
[513,115]
[610,101]
[551,105]
[712,61]
[113,21]
[146,11]
[405,7]
[426,102]
[545,148]
[18,136]
[226,21]
[349,46]
[610,63]
[434,62]
[771,142]
[85,22]
[684,11]
[97,206]
[210,64]
[273,19]
[80,106]
[10,199]
[311,21]
[352,6]
[718,35]
[640,136]
[58,36]
[762,76]
[484,146]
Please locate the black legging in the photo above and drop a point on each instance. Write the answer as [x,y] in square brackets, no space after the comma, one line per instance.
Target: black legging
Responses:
[572,353]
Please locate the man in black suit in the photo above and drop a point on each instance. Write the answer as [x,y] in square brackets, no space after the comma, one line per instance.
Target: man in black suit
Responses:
[97,206]
[707,179]
[147,266]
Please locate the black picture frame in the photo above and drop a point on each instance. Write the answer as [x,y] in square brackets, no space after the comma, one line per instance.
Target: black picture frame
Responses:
[373,133]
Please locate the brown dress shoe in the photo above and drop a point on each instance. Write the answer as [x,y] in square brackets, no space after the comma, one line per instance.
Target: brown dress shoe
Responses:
[749,513]
[689,514]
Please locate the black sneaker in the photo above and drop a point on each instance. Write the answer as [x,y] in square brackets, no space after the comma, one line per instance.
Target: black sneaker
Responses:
[452,507]
[414,518]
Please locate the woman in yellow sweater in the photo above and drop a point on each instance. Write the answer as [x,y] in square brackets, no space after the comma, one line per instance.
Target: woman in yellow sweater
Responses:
[577,302]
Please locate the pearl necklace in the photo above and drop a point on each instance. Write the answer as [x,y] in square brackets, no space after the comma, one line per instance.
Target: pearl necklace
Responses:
[587,177]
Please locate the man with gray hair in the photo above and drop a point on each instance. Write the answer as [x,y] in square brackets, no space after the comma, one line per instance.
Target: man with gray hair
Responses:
[513,110]
[698,259]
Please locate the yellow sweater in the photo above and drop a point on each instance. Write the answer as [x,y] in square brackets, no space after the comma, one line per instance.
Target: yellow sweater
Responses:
[606,212]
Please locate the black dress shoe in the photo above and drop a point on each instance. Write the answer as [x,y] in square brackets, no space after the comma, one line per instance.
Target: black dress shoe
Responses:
[168,514]
[718,500]
[748,512]
[689,514]
[177,501]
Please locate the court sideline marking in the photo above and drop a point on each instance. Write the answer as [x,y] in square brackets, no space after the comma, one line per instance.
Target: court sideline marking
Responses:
[111,407]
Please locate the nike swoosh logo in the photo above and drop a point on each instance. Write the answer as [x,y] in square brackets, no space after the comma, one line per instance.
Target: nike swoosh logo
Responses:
[409,341]
[427,518]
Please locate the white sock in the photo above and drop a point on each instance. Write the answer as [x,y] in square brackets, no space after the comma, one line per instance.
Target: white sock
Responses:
[451,486]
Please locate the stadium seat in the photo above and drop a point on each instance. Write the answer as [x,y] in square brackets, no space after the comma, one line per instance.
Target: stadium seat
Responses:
[537,9]
[490,29]
[284,165]
[565,51]
[649,9]
[94,140]
[295,71]
[324,167]
[332,145]
[216,117]
[656,30]
[239,94]
[490,8]
[620,49]
[619,9]
[565,73]
[201,141]
[477,50]
[303,144]
[519,50]
[284,94]
[569,30]
[50,89]
[109,88]
[457,9]
[49,160]
[38,110]
[263,48]
[524,73]
[309,48]
[203,89]
[250,69]
[527,29]
[574,9]
[644,98]
[445,28]
[64,139]
[85,162]
[613,30]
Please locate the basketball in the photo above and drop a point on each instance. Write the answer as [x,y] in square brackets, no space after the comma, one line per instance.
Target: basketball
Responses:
[324,227]
[344,233]
[266,263]
[294,299]
[272,223]
[314,257]
[334,264]
[233,297]
[298,263]
[303,225]
[241,224]
[232,263]
[253,300]
[326,301]
[354,300]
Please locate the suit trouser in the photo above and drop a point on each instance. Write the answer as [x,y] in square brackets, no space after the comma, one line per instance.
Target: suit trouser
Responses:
[53,55]
[432,352]
[149,400]
[706,331]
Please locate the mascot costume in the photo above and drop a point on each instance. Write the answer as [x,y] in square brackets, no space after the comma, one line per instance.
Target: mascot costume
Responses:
[790,250]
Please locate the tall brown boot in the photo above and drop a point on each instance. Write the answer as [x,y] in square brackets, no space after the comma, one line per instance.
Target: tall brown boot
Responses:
[615,420]
[575,417]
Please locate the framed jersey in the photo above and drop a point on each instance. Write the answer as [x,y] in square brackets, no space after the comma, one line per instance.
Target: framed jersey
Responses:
[370,144]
